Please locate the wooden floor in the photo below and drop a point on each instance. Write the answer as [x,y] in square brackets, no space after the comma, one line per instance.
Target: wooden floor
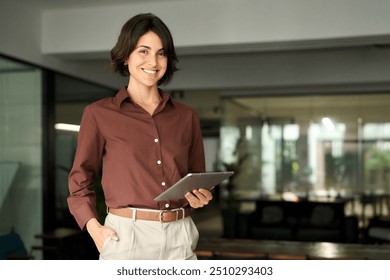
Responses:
[220,248]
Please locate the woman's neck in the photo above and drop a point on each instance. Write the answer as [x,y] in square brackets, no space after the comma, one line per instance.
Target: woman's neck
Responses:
[146,97]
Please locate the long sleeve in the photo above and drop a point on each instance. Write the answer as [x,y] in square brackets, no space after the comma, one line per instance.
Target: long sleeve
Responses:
[196,154]
[86,166]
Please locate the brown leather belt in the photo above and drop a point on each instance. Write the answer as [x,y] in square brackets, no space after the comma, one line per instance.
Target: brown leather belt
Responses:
[163,216]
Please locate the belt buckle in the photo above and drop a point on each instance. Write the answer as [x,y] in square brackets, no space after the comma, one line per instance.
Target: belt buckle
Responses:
[177,214]
[162,213]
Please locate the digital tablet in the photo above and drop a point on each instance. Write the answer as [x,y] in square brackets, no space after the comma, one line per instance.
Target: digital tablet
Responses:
[192,181]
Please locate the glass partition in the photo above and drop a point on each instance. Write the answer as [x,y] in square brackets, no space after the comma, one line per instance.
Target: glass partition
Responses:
[29,156]
[20,150]
[308,147]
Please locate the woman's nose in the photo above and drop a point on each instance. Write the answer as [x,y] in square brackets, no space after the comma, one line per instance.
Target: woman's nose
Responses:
[152,60]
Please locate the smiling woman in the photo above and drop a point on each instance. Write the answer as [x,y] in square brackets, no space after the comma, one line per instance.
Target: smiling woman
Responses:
[147,65]
[145,142]
[128,41]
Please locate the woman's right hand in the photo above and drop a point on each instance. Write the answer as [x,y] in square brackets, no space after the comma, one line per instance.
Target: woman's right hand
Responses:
[100,233]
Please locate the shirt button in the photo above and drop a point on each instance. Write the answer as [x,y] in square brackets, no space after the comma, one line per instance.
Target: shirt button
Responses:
[162,183]
[156,140]
[159,162]
[167,205]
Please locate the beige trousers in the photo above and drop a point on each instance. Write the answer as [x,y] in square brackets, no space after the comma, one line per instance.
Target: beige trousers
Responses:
[150,240]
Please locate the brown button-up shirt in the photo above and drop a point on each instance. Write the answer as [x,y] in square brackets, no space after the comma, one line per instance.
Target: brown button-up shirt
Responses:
[140,155]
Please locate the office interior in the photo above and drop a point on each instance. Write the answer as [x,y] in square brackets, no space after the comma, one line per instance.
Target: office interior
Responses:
[292,95]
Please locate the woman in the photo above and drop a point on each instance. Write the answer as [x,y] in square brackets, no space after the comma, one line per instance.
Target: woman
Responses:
[143,142]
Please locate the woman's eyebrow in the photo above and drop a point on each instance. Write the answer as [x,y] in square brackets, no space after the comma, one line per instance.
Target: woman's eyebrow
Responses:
[143,46]
[149,48]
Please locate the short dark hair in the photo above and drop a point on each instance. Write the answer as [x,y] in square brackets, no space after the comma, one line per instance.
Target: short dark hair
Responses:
[131,31]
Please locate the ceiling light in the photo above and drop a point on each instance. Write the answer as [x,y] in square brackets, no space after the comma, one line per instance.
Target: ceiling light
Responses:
[67,127]
[327,122]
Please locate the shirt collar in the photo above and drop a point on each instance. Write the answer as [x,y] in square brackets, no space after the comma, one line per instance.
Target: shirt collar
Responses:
[122,95]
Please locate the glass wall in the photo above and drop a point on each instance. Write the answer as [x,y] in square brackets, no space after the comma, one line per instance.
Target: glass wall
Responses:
[309,147]
[30,201]
[20,150]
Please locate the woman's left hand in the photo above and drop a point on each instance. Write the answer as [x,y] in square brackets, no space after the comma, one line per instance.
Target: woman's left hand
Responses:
[199,198]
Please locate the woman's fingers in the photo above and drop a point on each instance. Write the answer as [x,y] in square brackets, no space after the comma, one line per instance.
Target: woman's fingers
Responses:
[199,198]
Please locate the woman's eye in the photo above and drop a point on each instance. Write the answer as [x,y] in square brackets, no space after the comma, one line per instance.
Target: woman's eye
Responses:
[161,53]
[143,51]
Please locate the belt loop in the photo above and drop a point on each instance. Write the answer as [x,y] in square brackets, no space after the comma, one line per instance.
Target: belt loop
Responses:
[134,214]
[183,212]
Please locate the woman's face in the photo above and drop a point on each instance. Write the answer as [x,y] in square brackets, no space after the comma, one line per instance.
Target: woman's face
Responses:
[147,63]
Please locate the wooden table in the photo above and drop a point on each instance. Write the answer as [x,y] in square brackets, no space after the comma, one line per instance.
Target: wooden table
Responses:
[296,250]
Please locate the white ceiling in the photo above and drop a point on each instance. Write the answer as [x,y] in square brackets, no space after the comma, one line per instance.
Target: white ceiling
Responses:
[60,4]
[297,108]
[369,107]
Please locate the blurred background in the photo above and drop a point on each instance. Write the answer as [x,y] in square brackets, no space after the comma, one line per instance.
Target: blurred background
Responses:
[292,95]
